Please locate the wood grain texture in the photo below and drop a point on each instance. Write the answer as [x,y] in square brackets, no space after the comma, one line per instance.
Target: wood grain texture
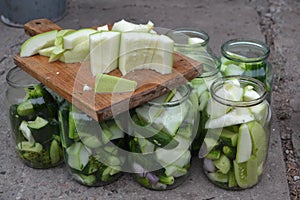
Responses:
[68,80]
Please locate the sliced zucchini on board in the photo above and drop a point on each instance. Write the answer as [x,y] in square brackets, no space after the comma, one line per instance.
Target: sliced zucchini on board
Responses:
[34,44]
[104,51]
[111,84]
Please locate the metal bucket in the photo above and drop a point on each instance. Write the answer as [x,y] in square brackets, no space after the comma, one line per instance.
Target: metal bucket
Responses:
[18,12]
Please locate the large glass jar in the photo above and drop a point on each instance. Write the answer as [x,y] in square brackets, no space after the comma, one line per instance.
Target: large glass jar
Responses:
[33,118]
[92,149]
[161,134]
[238,128]
[194,44]
[248,58]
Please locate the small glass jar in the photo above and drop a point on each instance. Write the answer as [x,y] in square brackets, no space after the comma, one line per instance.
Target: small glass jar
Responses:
[33,118]
[194,44]
[248,58]
[162,131]
[238,128]
[92,149]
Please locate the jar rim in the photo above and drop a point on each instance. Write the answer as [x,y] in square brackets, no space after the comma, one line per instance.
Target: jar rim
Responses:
[16,77]
[258,85]
[186,90]
[214,70]
[249,43]
[186,31]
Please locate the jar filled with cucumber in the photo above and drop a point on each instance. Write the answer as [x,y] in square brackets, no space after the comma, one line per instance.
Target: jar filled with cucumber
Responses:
[194,44]
[247,58]
[162,131]
[33,118]
[238,128]
[92,149]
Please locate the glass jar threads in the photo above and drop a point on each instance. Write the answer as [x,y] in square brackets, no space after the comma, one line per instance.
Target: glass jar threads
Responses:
[248,58]
[162,132]
[91,148]
[33,118]
[238,128]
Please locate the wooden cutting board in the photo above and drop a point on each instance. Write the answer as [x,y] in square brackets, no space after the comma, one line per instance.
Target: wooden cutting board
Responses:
[69,80]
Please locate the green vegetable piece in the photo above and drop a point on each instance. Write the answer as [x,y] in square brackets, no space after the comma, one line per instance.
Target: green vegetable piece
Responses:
[259,141]
[89,180]
[73,134]
[169,180]
[214,154]
[27,146]
[38,123]
[246,173]
[112,84]
[77,156]
[34,44]
[231,179]
[204,100]
[244,144]
[229,138]
[25,108]
[223,164]
[26,132]
[44,133]
[229,151]
[63,117]
[55,152]
[218,177]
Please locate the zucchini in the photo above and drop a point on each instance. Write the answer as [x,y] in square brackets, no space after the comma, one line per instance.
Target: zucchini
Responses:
[218,177]
[77,156]
[223,164]
[228,138]
[25,108]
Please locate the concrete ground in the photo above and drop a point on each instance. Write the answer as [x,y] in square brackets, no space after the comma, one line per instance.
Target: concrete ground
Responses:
[275,21]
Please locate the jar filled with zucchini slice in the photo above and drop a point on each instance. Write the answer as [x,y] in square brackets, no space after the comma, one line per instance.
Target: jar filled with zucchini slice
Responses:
[161,134]
[247,57]
[92,149]
[33,119]
[238,129]
[194,44]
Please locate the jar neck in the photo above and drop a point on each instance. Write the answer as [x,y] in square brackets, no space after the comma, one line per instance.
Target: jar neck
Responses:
[189,37]
[245,50]
[17,78]
[244,81]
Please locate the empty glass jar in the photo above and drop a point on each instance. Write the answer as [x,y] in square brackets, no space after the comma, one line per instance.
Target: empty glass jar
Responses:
[33,118]
[238,128]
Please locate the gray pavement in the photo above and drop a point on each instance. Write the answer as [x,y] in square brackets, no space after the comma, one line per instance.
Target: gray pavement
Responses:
[277,22]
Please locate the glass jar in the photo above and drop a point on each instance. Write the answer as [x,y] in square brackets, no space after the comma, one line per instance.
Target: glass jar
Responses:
[33,118]
[238,129]
[91,148]
[248,58]
[162,131]
[194,44]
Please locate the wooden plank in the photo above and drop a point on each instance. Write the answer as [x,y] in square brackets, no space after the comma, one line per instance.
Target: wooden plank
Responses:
[68,80]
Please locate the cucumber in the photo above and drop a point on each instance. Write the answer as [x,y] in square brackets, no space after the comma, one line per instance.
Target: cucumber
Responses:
[205,96]
[233,69]
[38,123]
[246,173]
[104,51]
[218,177]
[244,144]
[112,84]
[55,152]
[77,37]
[25,108]
[27,146]
[228,138]
[223,164]
[229,151]
[234,117]
[32,45]
[45,133]
[77,156]
[231,179]
[63,117]
[259,141]
[214,154]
